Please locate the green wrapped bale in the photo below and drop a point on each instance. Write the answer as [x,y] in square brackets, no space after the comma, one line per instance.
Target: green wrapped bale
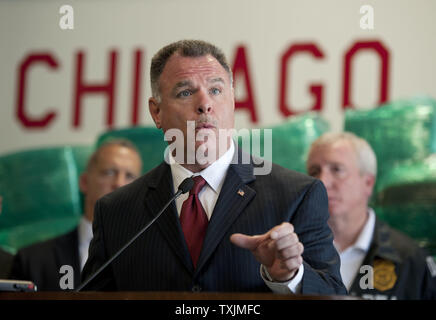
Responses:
[289,141]
[40,194]
[407,200]
[400,131]
[148,140]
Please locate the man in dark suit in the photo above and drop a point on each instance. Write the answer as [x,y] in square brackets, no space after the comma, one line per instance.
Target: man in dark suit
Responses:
[114,164]
[5,263]
[5,257]
[235,231]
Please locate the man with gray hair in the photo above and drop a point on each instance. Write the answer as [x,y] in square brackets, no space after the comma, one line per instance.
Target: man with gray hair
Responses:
[377,262]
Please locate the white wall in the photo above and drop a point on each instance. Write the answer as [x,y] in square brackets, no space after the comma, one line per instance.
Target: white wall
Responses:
[266,29]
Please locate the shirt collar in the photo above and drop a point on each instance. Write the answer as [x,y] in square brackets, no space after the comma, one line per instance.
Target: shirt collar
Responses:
[364,240]
[85,230]
[214,174]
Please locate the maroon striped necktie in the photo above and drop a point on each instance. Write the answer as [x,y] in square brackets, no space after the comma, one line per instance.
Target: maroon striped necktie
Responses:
[194,220]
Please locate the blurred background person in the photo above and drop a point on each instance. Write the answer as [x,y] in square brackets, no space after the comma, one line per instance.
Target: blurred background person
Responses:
[5,263]
[347,166]
[113,165]
[5,257]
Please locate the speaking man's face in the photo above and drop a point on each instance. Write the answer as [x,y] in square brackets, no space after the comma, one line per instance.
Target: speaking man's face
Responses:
[195,89]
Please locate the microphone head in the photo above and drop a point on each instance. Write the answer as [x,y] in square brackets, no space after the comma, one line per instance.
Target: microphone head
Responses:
[186,185]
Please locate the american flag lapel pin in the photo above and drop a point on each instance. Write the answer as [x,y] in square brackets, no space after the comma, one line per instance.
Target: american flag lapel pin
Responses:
[241,192]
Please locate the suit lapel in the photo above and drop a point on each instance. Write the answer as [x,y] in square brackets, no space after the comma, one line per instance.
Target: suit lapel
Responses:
[235,195]
[159,193]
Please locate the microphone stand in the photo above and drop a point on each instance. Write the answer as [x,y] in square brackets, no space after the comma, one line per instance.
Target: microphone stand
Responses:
[184,187]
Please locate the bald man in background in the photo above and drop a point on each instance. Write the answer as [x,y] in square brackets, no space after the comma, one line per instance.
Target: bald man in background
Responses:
[113,165]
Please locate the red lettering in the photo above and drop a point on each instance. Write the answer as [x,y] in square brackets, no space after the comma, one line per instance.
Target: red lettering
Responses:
[315,90]
[383,53]
[240,66]
[25,119]
[137,81]
[107,89]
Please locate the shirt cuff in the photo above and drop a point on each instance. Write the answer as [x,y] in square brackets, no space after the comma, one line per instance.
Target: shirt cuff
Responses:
[291,286]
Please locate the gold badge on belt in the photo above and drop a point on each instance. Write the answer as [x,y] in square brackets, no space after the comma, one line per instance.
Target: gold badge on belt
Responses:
[384,275]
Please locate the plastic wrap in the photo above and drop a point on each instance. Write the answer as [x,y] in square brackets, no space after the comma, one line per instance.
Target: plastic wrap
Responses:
[403,136]
[40,193]
[401,131]
[291,140]
[407,200]
[148,140]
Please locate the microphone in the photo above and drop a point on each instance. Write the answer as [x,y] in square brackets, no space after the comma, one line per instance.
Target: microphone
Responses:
[184,187]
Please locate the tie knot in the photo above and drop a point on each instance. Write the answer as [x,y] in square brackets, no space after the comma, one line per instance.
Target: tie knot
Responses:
[199,183]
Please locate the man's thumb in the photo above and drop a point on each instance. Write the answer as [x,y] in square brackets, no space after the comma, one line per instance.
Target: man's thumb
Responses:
[244,241]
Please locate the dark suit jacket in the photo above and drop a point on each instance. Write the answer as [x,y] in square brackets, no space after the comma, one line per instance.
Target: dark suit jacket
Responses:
[42,261]
[5,263]
[159,259]
[408,278]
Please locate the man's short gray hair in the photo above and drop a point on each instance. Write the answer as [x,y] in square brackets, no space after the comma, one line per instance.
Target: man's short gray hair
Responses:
[186,48]
[366,158]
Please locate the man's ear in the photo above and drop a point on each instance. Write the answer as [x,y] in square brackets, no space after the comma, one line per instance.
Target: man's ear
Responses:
[369,182]
[154,108]
[83,182]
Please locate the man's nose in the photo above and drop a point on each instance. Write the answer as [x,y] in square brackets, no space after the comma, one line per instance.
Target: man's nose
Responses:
[120,180]
[326,178]
[204,103]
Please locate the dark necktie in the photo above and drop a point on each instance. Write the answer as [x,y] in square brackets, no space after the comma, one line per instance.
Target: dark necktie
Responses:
[194,220]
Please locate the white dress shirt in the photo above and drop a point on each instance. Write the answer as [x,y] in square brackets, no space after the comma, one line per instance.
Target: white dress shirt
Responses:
[85,237]
[215,175]
[352,257]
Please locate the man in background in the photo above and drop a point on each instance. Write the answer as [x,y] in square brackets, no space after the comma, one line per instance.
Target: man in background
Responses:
[5,257]
[114,164]
[347,166]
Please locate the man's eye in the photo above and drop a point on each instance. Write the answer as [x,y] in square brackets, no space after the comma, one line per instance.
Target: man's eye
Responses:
[131,176]
[184,93]
[215,91]
[109,172]
[313,173]
[338,169]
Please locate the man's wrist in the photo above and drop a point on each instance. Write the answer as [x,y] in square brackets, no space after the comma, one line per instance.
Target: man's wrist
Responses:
[266,274]
[271,279]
